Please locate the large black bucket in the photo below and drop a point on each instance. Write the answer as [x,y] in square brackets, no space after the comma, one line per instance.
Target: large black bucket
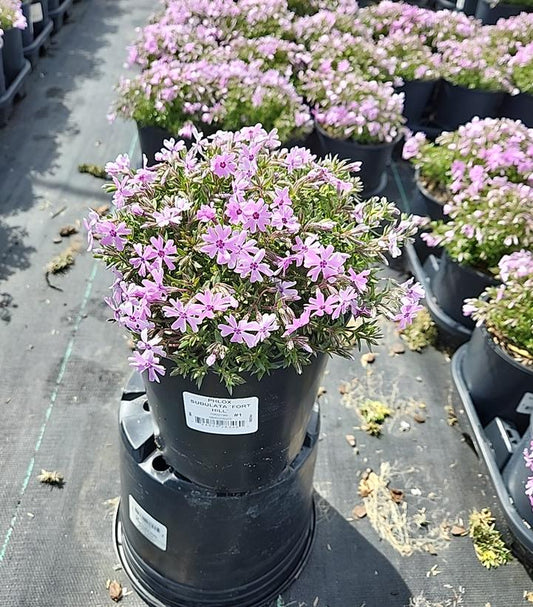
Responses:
[27,33]
[186,546]
[453,283]
[234,442]
[498,384]
[374,159]
[457,105]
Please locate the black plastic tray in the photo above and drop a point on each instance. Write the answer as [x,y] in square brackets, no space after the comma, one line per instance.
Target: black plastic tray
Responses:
[17,89]
[521,531]
[450,329]
[40,43]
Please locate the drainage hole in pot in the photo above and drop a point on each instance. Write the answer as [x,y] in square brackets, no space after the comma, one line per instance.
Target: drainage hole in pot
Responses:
[146,406]
[159,464]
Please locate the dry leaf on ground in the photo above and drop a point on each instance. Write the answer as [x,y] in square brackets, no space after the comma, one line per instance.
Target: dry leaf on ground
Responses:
[115,590]
[51,478]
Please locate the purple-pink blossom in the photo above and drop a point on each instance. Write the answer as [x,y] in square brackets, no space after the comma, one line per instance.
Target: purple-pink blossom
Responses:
[239,330]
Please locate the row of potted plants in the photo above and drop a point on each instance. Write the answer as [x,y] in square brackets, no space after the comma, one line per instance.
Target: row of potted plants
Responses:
[25,27]
[476,186]
[358,81]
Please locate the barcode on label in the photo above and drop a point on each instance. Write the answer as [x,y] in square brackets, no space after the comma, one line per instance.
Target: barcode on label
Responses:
[220,423]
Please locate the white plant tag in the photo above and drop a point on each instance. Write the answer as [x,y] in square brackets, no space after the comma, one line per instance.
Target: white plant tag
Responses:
[147,525]
[221,415]
[36,13]
[526,404]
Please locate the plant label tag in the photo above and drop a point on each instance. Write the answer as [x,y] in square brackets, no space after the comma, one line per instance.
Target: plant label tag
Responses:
[221,415]
[36,13]
[147,525]
[525,406]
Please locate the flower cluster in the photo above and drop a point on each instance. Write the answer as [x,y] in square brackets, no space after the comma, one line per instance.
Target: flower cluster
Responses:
[464,162]
[413,60]
[522,69]
[507,310]
[486,226]
[365,111]
[237,256]
[172,94]
[11,16]
[476,64]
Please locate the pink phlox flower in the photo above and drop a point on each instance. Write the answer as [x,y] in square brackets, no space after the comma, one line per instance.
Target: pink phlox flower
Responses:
[407,314]
[223,165]
[253,266]
[302,248]
[167,216]
[413,291]
[297,323]
[325,261]
[164,251]
[266,326]
[248,158]
[256,216]
[346,300]
[469,309]
[123,191]
[120,166]
[241,246]
[298,158]
[283,218]
[283,264]
[186,315]
[210,303]
[239,330]
[150,344]
[149,362]
[154,290]
[281,198]
[171,148]
[234,208]
[206,213]
[112,235]
[529,489]
[321,305]
[182,204]
[285,290]
[142,263]
[90,223]
[359,279]
[218,243]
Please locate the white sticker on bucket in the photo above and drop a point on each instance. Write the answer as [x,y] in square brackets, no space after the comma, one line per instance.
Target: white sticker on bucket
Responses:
[36,13]
[147,525]
[526,404]
[221,415]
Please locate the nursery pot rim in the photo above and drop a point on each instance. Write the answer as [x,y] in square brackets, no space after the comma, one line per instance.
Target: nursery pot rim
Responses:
[368,146]
[469,269]
[501,352]
[425,191]
[474,90]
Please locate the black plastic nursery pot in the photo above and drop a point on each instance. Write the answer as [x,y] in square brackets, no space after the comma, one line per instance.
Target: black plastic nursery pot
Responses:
[239,441]
[515,476]
[186,546]
[27,33]
[465,6]
[374,159]
[425,204]
[457,105]
[417,95]
[489,15]
[12,54]
[453,283]
[39,16]
[518,107]
[151,141]
[499,385]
